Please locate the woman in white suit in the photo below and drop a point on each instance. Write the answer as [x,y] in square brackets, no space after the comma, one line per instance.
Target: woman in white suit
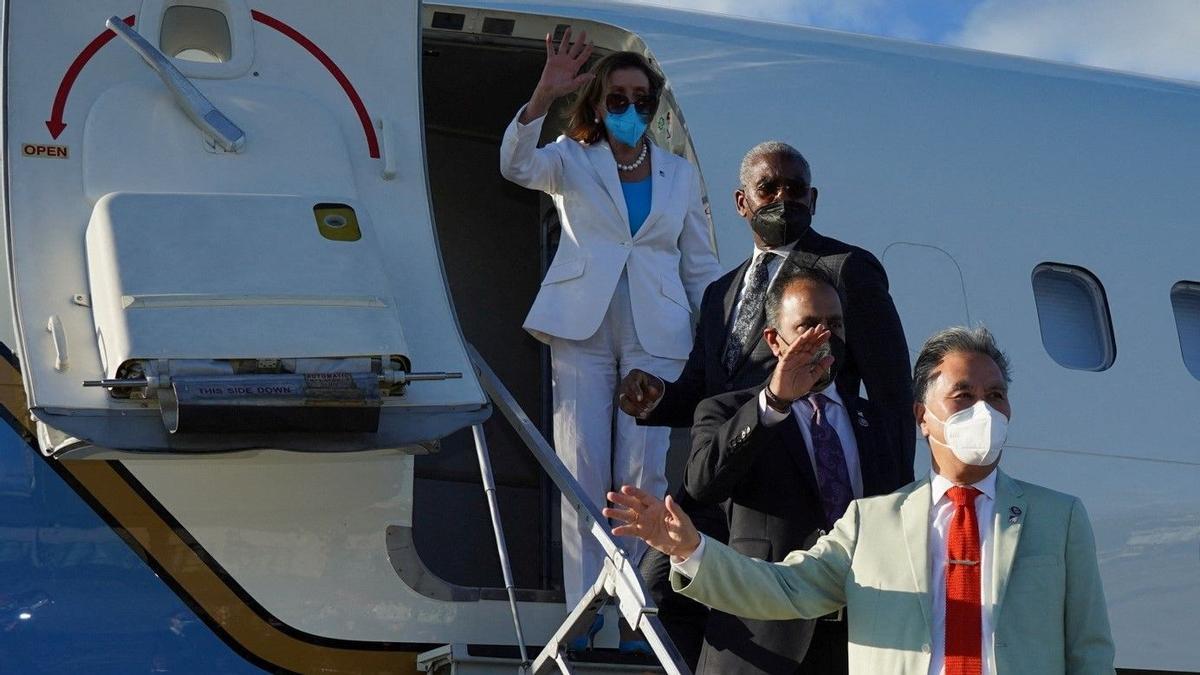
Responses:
[633,261]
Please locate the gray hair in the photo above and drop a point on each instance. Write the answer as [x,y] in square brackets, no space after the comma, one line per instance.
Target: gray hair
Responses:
[771,148]
[978,340]
[789,275]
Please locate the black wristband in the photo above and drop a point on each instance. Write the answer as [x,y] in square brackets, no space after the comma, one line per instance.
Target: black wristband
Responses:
[775,403]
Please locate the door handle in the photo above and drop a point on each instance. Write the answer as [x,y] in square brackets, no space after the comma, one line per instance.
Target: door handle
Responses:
[197,107]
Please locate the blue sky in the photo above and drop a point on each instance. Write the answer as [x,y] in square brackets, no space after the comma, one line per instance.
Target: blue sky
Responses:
[1154,37]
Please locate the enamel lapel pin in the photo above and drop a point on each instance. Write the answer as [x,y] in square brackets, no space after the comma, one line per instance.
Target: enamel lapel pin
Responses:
[1014,514]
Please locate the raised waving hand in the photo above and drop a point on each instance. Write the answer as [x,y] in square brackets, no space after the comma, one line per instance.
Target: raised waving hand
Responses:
[801,364]
[560,75]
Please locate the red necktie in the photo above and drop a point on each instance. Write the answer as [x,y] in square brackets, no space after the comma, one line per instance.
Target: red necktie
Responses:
[964,614]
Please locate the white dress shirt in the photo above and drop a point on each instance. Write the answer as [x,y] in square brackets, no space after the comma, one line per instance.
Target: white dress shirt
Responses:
[839,419]
[939,529]
[940,512]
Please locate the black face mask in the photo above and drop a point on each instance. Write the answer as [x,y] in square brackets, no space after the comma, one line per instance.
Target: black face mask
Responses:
[781,222]
[837,347]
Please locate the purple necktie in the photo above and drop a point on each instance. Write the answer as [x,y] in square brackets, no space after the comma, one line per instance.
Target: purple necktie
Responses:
[833,478]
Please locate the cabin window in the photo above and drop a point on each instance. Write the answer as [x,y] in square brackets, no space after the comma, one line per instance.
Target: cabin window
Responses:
[195,34]
[1185,300]
[1074,318]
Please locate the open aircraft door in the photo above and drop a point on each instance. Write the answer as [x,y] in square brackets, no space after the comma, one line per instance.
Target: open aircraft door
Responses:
[218,228]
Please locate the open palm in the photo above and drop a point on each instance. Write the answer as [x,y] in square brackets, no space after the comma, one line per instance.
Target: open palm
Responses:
[561,75]
[661,524]
[798,369]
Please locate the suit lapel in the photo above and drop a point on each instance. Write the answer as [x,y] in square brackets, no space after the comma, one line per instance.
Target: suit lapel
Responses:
[914,516]
[731,293]
[864,434]
[662,178]
[793,440]
[600,156]
[1011,510]
[728,305]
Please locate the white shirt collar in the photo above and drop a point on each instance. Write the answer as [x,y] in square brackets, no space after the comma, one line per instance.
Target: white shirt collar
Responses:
[939,484]
[830,393]
[782,251]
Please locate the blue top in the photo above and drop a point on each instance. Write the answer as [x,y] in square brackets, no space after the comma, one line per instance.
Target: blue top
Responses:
[637,202]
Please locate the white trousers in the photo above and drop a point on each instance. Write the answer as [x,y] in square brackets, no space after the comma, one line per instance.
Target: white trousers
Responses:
[603,447]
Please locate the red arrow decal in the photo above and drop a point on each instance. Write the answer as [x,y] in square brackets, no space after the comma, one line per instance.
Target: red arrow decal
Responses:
[56,124]
[312,48]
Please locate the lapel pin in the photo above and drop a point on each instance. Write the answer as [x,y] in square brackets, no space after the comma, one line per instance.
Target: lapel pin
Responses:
[662,173]
[1016,514]
[862,421]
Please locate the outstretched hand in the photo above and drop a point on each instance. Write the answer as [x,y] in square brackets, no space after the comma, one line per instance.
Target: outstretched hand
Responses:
[661,524]
[798,368]
[560,75]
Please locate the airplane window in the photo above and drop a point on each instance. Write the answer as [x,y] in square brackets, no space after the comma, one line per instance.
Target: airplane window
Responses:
[1073,315]
[1185,300]
[195,34]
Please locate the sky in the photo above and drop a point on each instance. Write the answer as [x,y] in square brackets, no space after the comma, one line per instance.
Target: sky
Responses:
[1153,37]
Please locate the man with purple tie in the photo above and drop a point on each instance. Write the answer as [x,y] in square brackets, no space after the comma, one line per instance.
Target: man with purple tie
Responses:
[790,455]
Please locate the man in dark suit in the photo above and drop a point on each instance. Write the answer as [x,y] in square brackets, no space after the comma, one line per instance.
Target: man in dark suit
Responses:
[777,199]
[728,353]
[789,456]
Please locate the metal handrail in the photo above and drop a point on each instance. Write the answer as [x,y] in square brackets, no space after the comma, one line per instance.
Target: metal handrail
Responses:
[620,579]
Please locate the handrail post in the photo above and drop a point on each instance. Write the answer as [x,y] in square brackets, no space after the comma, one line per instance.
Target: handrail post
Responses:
[489,489]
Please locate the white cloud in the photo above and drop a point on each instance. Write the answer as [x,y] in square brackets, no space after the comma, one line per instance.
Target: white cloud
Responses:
[1156,37]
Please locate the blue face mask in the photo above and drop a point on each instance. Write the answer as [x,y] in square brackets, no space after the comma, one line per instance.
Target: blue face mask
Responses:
[627,127]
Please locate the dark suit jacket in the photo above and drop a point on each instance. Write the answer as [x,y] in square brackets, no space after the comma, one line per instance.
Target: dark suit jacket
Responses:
[774,507]
[876,351]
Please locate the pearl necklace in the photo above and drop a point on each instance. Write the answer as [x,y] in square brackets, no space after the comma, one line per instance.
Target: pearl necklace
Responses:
[638,162]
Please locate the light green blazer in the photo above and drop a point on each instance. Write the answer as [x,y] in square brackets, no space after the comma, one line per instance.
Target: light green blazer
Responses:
[1049,616]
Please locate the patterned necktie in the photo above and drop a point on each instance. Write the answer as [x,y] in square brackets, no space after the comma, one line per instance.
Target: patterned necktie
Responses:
[964,614]
[833,478]
[748,312]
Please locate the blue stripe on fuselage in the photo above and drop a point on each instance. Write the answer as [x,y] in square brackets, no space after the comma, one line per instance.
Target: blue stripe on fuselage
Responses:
[74,597]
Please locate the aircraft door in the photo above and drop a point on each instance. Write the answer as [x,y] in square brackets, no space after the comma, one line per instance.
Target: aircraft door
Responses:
[928,289]
[221,220]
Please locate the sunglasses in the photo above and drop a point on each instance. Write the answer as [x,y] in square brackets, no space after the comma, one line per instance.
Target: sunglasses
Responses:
[618,103]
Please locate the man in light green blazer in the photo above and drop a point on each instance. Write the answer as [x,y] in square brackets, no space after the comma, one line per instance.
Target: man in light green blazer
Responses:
[966,571]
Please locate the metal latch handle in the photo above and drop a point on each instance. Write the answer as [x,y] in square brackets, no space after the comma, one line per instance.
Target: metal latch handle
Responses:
[197,107]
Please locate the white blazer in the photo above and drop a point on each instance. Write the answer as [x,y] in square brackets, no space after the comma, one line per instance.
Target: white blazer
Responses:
[670,261]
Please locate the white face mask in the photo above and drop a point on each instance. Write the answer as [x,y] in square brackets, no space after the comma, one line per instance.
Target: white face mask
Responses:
[975,435]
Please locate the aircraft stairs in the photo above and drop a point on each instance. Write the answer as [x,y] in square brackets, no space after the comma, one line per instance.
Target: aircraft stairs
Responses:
[619,583]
